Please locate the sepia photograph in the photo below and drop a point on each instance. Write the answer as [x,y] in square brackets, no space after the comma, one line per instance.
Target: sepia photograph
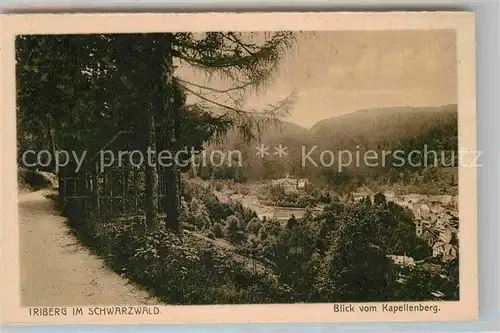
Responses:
[243,167]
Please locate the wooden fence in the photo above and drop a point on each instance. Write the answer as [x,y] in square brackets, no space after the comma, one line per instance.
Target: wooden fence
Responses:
[114,192]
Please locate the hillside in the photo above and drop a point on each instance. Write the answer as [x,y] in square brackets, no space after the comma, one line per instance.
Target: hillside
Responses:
[382,127]
[363,127]
[389,129]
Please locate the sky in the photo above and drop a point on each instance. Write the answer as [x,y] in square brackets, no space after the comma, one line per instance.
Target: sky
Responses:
[334,73]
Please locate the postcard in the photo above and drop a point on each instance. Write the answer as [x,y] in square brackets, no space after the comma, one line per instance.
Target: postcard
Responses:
[238,167]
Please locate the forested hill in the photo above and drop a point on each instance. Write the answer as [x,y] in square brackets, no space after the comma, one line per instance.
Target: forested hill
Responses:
[381,127]
[364,127]
[390,129]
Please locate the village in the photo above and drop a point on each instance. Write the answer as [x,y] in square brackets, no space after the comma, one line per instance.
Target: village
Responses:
[436,216]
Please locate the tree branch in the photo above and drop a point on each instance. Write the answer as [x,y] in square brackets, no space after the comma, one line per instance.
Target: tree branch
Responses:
[273,111]
[234,39]
[222,91]
[238,111]
[211,62]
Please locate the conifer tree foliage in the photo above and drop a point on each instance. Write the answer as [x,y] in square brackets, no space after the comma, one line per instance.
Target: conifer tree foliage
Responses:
[357,268]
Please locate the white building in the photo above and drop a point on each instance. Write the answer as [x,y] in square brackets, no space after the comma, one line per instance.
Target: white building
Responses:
[420,210]
[291,185]
[412,198]
[390,195]
[302,184]
[447,251]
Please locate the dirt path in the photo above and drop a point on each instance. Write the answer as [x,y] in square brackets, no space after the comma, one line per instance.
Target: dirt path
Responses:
[56,271]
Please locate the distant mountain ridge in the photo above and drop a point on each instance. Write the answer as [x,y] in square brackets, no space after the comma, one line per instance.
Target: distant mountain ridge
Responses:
[378,112]
[388,129]
[363,126]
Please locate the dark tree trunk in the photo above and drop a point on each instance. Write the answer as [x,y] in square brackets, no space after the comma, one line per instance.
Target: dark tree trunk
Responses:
[151,204]
[61,189]
[149,51]
[172,113]
[61,174]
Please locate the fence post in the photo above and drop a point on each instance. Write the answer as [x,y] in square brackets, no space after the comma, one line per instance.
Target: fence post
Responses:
[95,174]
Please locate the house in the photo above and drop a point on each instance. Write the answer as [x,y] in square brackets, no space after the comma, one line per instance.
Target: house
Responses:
[359,196]
[438,249]
[432,268]
[435,198]
[412,198]
[419,228]
[289,185]
[446,235]
[446,251]
[420,210]
[302,184]
[390,195]
[400,201]
[436,207]
[440,226]
[446,200]
[402,260]
[443,199]
[429,237]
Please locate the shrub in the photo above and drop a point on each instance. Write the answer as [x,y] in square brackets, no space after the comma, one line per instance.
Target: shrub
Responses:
[195,213]
[231,229]
[208,233]
[239,216]
[217,230]
[248,215]
[219,210]
[325,198]
[31,179]
[219,186]
[271,228]
[189,227]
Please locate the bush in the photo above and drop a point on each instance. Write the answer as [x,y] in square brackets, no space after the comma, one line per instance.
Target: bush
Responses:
[209,234]
[325,198]
[253,226]
[232,228]
[298,200]
[195,213]
[239,216]
[219,210]
[188,226]
[217,230]
[178,270]
[31,179]
[248,215]
[271,228]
